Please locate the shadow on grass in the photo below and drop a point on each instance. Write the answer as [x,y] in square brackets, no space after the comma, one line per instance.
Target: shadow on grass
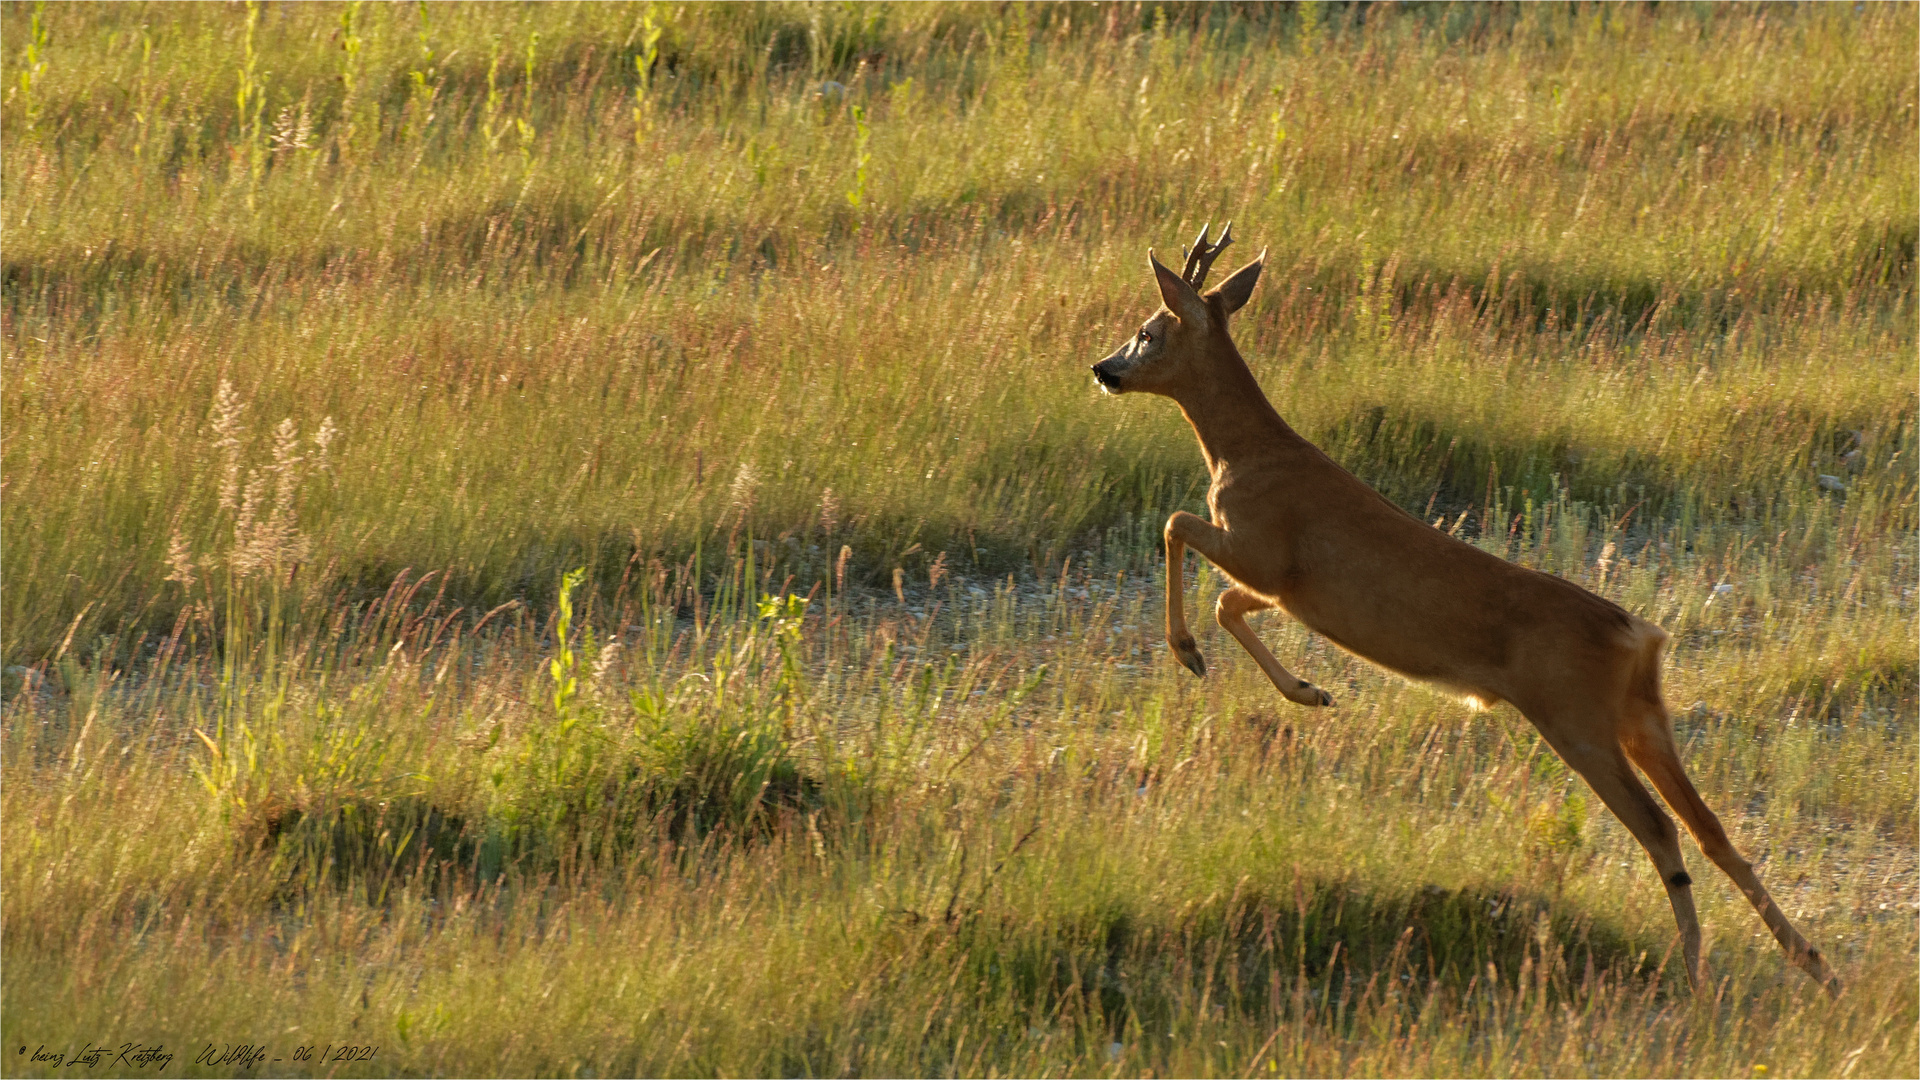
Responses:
[372,847]
[1428,462]
[368,845]
[1328,949]
[1316,293]
[1874,677]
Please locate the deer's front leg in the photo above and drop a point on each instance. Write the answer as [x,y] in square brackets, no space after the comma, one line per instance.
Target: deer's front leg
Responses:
[1231,613]
[1179,638]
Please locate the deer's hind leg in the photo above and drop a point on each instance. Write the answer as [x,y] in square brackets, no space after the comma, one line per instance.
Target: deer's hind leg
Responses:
[1650,743]
[1231,613]
[1604,767]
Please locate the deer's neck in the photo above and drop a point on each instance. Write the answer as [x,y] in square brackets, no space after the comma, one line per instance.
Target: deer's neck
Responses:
[1232,416]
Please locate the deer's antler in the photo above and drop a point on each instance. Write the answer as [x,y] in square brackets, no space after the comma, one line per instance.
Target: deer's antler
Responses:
[1200,257]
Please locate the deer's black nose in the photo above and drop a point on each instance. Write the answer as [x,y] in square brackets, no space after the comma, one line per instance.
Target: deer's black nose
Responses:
[1105,377]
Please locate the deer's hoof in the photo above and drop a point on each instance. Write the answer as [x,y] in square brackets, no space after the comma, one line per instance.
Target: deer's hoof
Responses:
[1188,653]
[1310,695]
[1816,966]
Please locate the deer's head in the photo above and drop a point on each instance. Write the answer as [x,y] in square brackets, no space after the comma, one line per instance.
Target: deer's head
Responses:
[1174,347]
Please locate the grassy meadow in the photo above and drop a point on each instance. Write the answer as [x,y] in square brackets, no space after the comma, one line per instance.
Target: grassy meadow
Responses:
[579,539]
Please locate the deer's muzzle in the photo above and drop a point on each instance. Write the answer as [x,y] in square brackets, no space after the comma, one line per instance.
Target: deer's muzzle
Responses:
[1106,378]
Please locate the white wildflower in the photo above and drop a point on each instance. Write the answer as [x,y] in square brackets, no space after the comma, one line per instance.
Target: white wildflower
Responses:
[740,492]
[225,419]
[180,561]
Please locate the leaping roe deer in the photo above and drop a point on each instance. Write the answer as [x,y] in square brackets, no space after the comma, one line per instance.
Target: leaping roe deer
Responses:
[1294,530]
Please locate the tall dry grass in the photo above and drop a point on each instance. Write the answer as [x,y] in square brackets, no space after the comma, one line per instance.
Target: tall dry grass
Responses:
[335,336]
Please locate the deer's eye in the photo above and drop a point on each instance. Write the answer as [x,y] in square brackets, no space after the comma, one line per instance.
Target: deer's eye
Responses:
[1146,338]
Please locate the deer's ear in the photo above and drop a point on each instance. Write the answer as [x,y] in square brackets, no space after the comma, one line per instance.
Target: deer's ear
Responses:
[1178,295]
[1238,288]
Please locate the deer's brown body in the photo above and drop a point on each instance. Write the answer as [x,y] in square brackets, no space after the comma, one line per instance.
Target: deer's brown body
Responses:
[1294,530]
